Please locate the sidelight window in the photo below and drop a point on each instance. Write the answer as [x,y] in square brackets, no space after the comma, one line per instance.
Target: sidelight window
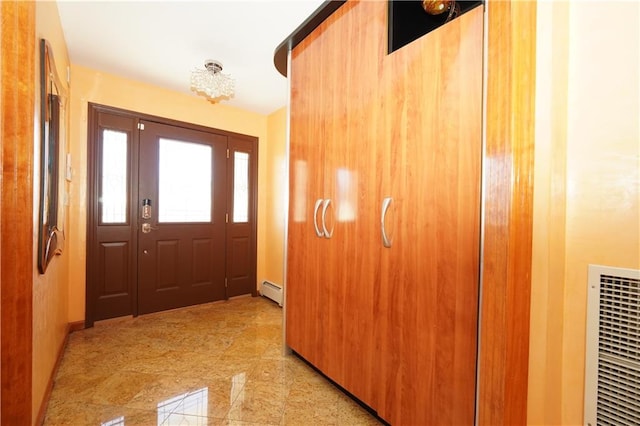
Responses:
[113,179]
[241,187]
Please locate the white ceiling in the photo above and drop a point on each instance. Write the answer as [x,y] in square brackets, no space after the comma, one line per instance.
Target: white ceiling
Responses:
[161,42]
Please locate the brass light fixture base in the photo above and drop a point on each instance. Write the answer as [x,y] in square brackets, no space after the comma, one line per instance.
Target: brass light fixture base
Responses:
[438,7]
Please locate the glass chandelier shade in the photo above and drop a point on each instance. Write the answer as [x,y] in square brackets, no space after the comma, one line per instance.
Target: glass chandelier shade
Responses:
[211,82]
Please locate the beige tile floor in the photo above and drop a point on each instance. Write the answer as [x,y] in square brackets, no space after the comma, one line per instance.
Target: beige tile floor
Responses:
[213,364]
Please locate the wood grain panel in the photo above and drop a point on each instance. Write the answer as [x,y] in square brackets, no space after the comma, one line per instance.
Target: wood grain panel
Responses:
[331,287]
[404,343]
[504,333]
[305,296]
[351,183]
[18,93]
[416,297]
[432,106]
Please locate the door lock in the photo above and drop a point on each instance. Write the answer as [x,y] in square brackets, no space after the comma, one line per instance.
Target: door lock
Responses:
[146,208]
[146,228]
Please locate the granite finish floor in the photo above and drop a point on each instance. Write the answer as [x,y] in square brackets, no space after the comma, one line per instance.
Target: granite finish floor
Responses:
[212,364]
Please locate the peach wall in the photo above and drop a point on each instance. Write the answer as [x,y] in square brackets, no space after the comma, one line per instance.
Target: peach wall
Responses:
[49,290]
[93,86]
[275,193]
[587,193]
[548,250]
[603,182]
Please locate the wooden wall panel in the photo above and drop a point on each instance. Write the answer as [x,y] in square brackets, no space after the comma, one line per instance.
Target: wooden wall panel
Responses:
[351,182]
[334,279]
[305,298]
[505,304]
[17,103]
[507,206]
[432,101]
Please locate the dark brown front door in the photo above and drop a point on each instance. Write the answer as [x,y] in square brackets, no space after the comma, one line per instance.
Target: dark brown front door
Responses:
[181,242]
[171,217]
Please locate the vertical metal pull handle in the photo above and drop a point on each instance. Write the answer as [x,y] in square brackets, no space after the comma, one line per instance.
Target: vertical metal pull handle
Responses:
[315,217]
[386,241]
[325,205]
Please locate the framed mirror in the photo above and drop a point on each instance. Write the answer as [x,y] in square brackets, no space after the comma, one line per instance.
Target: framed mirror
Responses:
[52,132]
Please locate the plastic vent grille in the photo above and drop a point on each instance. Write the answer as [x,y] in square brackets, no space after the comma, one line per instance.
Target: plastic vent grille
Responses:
[618,351]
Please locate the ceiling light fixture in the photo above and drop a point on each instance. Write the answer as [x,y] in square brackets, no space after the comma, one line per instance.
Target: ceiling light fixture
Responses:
[437,7]
[211,82]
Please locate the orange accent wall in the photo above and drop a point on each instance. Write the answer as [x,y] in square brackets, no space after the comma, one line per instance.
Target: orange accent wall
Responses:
[275,192]
[549,221]
[59,295]
[50,295]
[587,188]
[89,85]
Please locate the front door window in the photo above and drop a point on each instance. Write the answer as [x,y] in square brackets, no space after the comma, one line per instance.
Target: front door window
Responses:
[184,182]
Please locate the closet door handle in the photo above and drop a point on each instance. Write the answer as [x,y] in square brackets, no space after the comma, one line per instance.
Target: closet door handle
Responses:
[315,217]
[325,205]
[386,241]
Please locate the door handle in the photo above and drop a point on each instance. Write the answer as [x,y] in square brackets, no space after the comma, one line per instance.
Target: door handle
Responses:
[325,206]
[146,228]
[386,241]
[319,232]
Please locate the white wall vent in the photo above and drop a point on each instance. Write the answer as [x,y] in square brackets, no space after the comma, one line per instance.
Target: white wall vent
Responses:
[612,368]
[271,291]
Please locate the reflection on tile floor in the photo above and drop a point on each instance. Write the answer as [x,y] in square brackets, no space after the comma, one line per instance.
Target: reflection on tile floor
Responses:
[213,364]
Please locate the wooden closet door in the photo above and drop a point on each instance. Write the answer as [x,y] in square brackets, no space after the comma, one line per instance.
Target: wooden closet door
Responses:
[351,74]
[331,288]
[306,278]
[427,319]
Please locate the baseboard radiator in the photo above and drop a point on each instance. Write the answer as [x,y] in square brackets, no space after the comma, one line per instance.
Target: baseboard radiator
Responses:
[271,291]
[612,366]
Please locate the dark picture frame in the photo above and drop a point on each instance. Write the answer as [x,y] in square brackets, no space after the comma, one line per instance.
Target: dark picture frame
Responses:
[52,99]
